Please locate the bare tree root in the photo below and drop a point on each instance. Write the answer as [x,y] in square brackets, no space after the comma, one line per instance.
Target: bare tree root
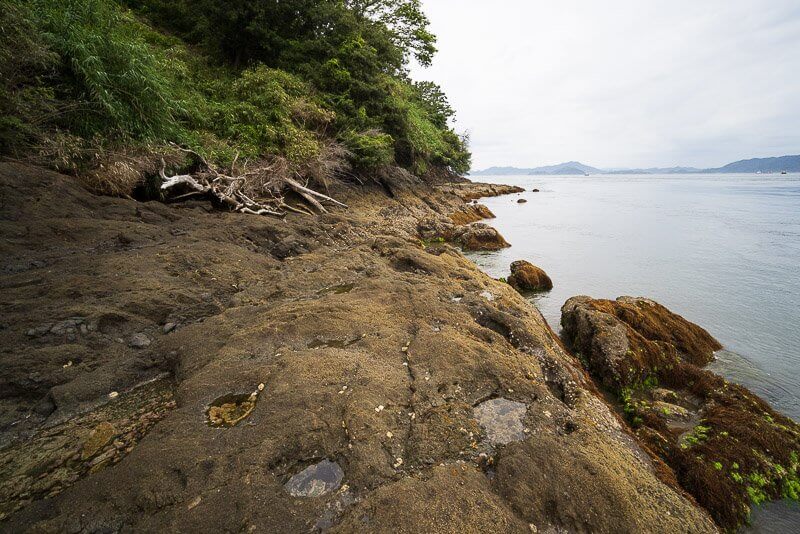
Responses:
[259,191]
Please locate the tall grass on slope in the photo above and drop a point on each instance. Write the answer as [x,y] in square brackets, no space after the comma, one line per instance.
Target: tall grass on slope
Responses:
[101,77]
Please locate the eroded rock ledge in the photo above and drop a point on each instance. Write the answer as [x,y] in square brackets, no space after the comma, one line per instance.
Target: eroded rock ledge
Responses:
[369,352]
[726,446]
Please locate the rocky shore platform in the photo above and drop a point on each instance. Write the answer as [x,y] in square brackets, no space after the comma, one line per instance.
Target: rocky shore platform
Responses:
[177,368]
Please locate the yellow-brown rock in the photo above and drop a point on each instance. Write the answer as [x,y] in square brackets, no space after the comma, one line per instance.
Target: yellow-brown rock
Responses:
[99,438]
[528,277]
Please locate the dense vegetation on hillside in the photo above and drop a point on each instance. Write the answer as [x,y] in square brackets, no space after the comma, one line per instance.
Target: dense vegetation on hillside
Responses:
[313,82]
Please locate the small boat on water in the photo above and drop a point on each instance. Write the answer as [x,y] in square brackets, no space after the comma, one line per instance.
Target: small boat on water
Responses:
[758,172]
[783,172]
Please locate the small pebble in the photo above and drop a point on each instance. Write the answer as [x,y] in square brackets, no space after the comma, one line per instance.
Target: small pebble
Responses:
[379,408]
[194,502]
[139,341]
[113,395]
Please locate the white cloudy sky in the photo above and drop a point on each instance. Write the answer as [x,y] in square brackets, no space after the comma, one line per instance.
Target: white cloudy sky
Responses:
[620,83]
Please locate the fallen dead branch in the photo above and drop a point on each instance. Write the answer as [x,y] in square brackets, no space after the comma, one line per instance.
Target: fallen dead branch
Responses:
[258,191]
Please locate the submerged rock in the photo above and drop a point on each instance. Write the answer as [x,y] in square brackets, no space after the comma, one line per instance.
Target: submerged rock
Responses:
[528,277]
[724,444]
[316,480]
[230,410]
[98,438]
[502,420]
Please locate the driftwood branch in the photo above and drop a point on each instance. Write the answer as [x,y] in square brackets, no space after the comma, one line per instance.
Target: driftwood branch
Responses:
[257,191]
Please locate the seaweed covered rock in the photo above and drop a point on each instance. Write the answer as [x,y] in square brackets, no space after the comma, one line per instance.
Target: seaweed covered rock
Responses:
[528,277]
[726,446]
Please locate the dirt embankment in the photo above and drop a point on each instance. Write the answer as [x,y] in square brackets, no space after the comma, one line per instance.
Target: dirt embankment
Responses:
[173,368]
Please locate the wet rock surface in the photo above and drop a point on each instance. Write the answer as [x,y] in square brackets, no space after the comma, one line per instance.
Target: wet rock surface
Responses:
[251,295]
[43,463]
[502,420]
[724,445]
[528,277]
[229,410]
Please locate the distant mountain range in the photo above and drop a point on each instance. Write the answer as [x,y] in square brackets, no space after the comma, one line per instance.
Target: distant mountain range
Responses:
[765,165]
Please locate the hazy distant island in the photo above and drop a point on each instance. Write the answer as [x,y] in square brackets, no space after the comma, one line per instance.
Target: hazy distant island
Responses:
[764,165]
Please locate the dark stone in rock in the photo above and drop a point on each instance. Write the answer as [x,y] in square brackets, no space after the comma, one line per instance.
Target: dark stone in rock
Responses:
[316,480]
[45,406]
[521,201]
[534,190]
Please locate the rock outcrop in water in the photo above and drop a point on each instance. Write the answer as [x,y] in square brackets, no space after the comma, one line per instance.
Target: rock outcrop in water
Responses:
[474,236]
[528,277]
[373,351]
[725,445]
[471,213]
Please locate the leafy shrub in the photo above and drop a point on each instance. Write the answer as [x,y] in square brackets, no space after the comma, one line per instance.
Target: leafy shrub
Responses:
[289,79]
[116,80]
[372,148]
[269,111]
[78,72]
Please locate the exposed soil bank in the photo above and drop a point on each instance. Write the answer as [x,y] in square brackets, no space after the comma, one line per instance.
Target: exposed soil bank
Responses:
[373,349]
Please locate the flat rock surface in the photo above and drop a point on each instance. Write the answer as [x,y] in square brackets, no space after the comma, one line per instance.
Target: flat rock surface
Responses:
[372,349]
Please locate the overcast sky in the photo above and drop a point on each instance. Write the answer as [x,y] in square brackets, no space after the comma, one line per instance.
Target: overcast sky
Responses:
[620,83]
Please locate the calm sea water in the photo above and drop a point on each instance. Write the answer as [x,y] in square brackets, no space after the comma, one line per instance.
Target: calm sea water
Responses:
[721,250]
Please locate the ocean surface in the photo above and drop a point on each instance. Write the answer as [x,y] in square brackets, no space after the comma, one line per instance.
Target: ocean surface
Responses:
[721,250]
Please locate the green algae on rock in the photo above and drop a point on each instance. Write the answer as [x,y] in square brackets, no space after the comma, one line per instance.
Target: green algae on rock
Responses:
[726,446]
[229,410]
